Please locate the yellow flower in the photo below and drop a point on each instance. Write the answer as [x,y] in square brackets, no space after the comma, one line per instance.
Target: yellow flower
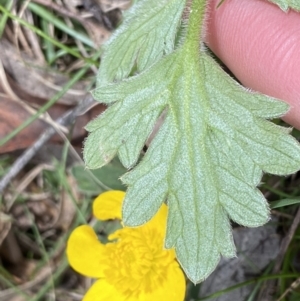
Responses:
[134,266]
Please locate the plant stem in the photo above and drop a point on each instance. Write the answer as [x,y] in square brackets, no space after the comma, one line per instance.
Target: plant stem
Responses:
[195,24]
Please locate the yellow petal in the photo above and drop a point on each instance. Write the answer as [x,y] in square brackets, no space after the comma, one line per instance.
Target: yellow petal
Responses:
[159,221]
[85,252]
[108,205]
[172,288]
[101,290]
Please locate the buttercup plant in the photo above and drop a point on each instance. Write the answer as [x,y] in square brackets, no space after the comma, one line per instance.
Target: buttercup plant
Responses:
[133,265]
[215,142]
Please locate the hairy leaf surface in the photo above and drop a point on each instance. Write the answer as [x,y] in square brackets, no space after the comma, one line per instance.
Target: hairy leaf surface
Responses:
[147,34]
[286,4]
[205,161]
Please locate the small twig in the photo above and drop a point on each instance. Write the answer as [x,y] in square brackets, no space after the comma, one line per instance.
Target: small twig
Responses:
[65,120]
[25,182]
[266,293]
[9,293]
[79,43]
[293,286]
[286,242]
[33,39]
[7,88]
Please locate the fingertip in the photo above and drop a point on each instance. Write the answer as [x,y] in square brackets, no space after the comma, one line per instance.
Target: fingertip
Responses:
[260,44]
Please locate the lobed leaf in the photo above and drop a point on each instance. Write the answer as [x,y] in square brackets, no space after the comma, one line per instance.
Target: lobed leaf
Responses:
[130,120]
[148,33]
[205,161]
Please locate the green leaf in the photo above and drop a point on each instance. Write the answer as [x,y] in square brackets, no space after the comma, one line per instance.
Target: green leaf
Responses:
[86,182]
[130,120]
[96,181]
[212,148]
[286,4]
[284,203]
[205,161]
[149,32]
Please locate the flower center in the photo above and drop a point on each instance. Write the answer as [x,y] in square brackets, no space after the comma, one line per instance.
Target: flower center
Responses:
[138,261]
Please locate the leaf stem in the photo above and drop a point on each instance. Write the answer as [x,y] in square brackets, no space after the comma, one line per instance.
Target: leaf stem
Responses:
[195,24]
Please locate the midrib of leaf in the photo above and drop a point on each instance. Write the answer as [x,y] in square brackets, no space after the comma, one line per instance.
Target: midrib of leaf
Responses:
[192,54]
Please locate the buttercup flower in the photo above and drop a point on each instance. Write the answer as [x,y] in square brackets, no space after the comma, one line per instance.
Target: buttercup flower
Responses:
[133,266]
